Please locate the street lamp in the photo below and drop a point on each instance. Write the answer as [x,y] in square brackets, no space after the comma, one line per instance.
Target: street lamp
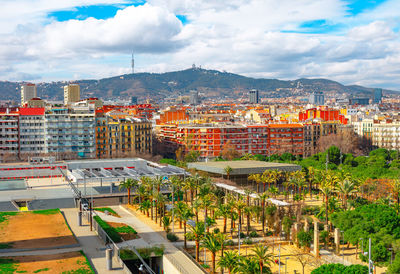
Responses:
[287,258]
[342,245]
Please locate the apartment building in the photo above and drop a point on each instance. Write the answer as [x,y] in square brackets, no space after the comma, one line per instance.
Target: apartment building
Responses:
[364,127]
[70,132]
[209,139]
[72,94]
[31,131]
[28,91]
[119,134]
[8,133]
[386,135]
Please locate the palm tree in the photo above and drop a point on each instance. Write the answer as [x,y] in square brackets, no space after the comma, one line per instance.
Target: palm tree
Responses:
[240,205]
[229,260]
[346,188]
[185,215]
[256,178]
[223,211]
[326,190]
[311,179]
[228,171]
[248,209]
[248,265]
[261,253]
[178,209]
[206,201]
[145,206]
[262,197]
[128,184]
[197,234]
[166,220]
[210,241]
[141,192]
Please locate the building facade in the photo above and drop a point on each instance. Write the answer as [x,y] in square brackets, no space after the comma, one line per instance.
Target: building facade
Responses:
[72,94]
[28,91]
[253,96]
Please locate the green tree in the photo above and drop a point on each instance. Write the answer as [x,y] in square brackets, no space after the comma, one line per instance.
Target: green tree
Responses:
[211,242]
[228,170]
[263,256]
[197,233]
[230,261]
[128,184]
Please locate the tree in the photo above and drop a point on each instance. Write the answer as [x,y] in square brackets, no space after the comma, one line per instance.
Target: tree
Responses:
[304,239]
[223,211]
[228,171]
[261,253]
[210,241]
[262,197]
[166,220]
[304,259]
[340,268]
[229,261]
[145,206]
[229,151]
[394,268]
[128,184]
[197,233]
[185,215]
[346,188]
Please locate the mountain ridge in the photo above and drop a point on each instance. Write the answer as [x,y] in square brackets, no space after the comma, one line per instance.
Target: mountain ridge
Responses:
[212,83]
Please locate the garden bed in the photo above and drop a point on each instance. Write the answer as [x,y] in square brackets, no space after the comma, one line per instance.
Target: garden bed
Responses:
[34,229]
[118,232]
[71,262]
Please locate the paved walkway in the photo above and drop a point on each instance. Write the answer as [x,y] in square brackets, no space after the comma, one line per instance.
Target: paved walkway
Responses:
[91,244]
[40,252]
[176,257]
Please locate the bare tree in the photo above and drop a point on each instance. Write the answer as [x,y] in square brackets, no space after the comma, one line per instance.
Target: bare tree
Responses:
[304,258]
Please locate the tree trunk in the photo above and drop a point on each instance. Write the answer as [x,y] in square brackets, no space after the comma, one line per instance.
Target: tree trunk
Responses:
[184,235]
[224,225]
[197,251]
[129,196]
[248,224]
[263,218]
[213,262]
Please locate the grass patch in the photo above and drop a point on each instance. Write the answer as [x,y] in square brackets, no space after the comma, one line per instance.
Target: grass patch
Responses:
[8,265]
[126,229]
[4,215]
[47,211]
[21,271]
[42,269]
[145,253]
[110,210]
[111,232]
[86,262]
[5,245]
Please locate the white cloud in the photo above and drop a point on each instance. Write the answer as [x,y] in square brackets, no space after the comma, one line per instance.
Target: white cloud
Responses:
[241,36]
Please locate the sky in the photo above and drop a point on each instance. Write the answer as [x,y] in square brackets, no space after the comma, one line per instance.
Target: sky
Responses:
[353,41]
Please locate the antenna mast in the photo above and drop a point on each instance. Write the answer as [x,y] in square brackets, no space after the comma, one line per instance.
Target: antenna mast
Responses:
[133,64]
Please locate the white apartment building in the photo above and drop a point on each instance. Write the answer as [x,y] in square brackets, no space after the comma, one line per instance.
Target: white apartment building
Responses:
[31,130]
[363,127]
[8,133]
[28,91]
[386,135]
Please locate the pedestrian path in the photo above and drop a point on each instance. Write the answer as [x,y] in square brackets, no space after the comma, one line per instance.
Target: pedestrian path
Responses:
[151,237]
[40,252]
[91,244]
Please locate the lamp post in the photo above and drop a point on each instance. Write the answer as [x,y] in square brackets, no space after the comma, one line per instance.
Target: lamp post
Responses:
[342,245]
[287,258]
[279,259]
[173,205]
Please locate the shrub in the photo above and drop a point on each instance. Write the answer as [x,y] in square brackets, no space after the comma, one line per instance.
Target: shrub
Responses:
[253,234]
[111,232]
[248,241]
[242,235]
[216,230]
[229,243]
[341,269]
[304,238]
[172,237]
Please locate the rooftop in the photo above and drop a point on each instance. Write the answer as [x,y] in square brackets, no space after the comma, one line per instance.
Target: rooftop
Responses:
[241,167]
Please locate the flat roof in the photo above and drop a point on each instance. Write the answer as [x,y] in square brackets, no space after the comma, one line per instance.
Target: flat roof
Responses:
[242,167]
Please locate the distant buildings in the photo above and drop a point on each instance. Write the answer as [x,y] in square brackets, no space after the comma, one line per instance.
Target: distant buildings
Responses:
[72,94]
[360,101]
[253,96]
[28,91]
[317,98]
[377,96]
[134,100]
[194,98]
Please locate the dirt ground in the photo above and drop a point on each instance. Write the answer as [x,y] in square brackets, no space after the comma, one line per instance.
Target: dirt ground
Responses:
[71,262]
[32,230]
[124,236]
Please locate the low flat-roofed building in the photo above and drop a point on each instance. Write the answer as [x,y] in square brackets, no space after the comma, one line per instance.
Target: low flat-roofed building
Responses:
[115,170]
[241,169]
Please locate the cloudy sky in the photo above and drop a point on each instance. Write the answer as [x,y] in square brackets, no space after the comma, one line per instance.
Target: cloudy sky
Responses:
[354,41]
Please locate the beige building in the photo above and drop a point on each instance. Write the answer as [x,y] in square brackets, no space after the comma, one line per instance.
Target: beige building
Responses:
[36,103]
[386,135]
[28,91]
[72,94]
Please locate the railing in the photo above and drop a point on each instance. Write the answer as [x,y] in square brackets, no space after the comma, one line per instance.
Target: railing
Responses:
[192,259]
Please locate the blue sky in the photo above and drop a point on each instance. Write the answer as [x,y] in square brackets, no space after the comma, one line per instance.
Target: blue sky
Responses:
[354,42]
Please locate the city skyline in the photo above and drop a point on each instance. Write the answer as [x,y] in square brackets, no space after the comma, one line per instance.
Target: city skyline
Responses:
[353,42]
